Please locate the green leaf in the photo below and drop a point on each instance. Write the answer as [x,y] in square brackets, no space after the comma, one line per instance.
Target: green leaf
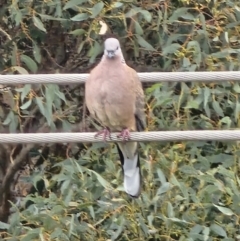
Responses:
[143,43]
[188,16]
[38,23]
[196,229]
[170,210]
[94,51]
[206,95]
[226,120]
[66,126]
[57,234]
[40,105]
[96,9]
[9,118]
[37,53]
[26,104]
[193,104]
[180,12]
[136,49]
[161,176]
[217,108]
[14,57]
[20,70]
[31,235]
[164,188]
[78,32]
[236,87]
[71,224]
[138,28]
[48,17]
[178,220]
[207,110]
[132,12]
[206,231]
[186,62]
[218,230]
[60,95]
[147,15]
[36,180]
[224,210]
[236,111]
[101,180]
[117,5]
[49,95]
[197,51]
[25,91]
[142,224]
[18,18]
[203,23]
[188,170]
[4,225]
[80,17]
[171,49]
[30,63]
[13,124]
[80,47]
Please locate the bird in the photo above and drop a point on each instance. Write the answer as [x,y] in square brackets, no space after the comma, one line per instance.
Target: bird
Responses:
[114,97]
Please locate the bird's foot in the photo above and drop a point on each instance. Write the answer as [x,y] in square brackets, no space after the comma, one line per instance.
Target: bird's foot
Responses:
[105,132]
[125,135]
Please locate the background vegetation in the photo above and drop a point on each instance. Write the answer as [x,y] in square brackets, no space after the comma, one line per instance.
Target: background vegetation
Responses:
[74,192]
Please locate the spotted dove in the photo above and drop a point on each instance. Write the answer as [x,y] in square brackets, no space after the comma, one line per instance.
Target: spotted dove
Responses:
[114,97]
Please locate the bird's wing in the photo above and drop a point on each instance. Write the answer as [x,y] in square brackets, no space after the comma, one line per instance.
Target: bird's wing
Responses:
[139,102]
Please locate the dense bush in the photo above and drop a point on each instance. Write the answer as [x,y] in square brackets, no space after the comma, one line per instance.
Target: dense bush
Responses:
[74,192]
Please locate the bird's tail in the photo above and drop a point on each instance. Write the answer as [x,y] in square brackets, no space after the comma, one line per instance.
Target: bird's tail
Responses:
[131,168]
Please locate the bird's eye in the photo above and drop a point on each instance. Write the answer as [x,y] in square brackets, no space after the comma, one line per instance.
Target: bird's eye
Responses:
[117,48]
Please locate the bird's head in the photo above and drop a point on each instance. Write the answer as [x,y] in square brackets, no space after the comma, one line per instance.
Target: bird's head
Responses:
[112,48]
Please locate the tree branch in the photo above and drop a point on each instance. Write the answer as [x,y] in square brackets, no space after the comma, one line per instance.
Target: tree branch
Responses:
[7,180]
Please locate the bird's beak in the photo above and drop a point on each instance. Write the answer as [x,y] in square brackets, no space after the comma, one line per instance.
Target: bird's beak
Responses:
[110,54]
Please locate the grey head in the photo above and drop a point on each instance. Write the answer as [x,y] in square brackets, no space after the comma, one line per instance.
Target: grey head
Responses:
[112,48]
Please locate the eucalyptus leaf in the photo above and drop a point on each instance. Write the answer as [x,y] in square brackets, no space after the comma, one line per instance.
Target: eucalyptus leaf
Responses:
[147,15]
[4,225]
[30,63]
[25,91]
[38,23]
[37,53]
[26,104]
[171,49]
[78,32]
[96,9]
[143,43]
[40,105]
[20,70]
[117,5]
[224,210]
[80,17]
[218,230]
[138,28]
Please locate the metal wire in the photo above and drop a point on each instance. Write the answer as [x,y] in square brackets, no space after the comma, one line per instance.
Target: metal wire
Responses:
[221,135]
[144,77]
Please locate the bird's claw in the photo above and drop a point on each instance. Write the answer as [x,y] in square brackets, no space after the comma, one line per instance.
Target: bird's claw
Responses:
[125,135]
[105,132]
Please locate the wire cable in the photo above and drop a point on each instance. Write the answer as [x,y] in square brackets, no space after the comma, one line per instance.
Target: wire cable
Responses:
[144,77]
[86,137]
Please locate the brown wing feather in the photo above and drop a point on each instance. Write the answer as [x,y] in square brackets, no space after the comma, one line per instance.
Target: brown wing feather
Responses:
[140,101]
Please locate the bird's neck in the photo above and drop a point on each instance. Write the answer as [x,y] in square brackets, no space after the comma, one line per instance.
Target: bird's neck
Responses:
[115,60]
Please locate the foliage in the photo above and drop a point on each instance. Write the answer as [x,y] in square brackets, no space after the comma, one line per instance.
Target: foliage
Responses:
[191,190]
